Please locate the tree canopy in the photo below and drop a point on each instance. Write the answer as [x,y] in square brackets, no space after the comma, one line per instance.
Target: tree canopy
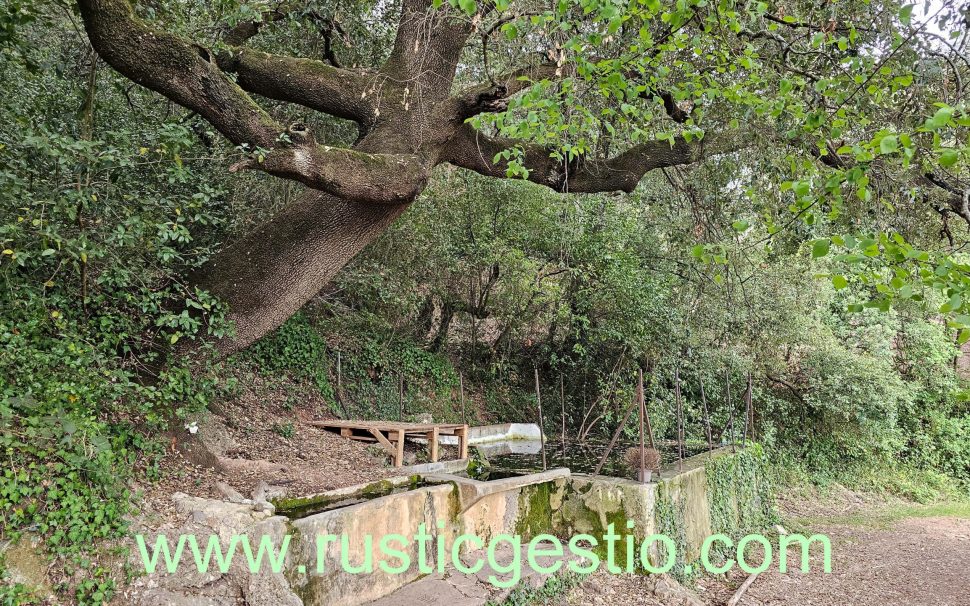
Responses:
[846,111]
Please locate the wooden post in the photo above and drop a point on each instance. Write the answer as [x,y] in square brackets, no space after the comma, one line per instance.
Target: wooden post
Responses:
[680,420]
[616,436]
[472,328]
[646,417]
[462,434]
[643,463]
[461,394]
[433,444]
[399,457]
[542,435]
[338,393]
[727,388]
[751,406]
[707,419]
[562,402]
[747,412]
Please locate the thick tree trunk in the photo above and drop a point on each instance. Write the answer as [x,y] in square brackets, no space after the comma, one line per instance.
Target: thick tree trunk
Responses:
[274,270]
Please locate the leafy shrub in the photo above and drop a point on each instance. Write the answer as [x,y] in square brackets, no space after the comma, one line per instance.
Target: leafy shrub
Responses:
[295,348]
[284,430]
[854,401]
[944,444]
[98,227]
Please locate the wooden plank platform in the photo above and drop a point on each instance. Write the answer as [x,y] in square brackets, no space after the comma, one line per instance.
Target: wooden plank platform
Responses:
[391,435]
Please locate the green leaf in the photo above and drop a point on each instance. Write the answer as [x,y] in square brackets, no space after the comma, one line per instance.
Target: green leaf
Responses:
[955,302]
[821,248]
[740,226]
[906,14]
[940,119]
[889,144]
[948,158]
[839,282]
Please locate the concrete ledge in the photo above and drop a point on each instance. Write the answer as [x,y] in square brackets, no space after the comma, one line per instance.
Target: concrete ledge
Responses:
[450,466]
[471,491]
[695,462]
[449,505]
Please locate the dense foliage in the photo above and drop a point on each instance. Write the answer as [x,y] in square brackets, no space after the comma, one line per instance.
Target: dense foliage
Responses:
[838,285]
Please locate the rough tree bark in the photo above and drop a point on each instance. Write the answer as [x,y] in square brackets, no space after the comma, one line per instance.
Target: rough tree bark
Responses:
[410,120]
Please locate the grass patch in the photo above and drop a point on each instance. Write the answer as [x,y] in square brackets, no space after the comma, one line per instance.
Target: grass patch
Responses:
[888,517]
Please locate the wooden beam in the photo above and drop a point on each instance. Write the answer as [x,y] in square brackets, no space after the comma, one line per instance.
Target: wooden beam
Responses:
[362,438]
[383,441]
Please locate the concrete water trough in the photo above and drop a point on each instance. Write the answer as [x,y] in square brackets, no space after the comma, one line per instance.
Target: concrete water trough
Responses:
[449,505]
[446,505]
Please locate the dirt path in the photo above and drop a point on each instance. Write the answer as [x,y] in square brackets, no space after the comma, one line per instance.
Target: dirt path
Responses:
[917,562]
[882,553]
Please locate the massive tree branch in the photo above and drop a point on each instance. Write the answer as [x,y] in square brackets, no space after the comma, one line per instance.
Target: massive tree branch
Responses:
[428,46]
[183,72]
[188,75]
[314,84]
[475,151]
[347,173]
[494,96]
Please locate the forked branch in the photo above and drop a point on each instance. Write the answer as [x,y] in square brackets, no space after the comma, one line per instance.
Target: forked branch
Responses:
[476,151]
[188,74]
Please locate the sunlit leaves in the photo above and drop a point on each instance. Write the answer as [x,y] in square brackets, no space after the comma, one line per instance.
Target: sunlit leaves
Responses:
[888,144]
[892,269]
[906,14]
[948,157]
[943,117]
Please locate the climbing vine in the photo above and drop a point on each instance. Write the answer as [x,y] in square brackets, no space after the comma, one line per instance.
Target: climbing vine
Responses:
[670,517]
[740,493]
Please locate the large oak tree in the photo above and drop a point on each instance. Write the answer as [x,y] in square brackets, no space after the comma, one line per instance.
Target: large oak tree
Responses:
[581,96]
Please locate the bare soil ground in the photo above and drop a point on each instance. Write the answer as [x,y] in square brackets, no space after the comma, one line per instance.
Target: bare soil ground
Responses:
[614,590]
[883,552]
[917,561]
[260,434]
